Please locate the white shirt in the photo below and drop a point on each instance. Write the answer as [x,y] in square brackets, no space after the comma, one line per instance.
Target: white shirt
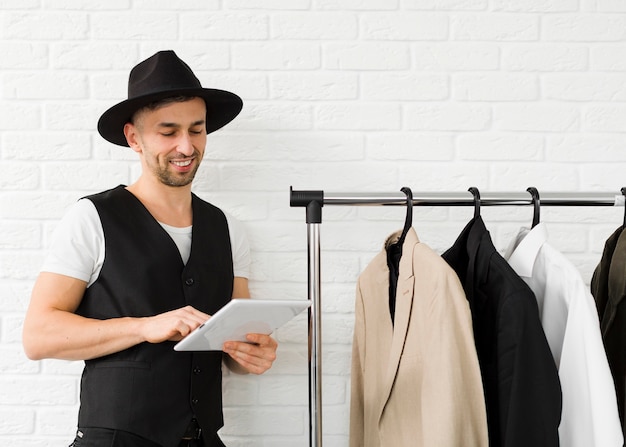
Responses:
[570,321]
[77,248]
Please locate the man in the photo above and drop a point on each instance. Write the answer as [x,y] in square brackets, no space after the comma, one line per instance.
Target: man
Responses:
[137,268]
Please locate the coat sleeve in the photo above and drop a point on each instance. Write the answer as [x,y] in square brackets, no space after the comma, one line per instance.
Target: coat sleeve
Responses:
[529,391]
[452,398]
[590,414]
[357,415]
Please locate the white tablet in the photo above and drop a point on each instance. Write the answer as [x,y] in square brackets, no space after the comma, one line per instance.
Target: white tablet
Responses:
[239,317]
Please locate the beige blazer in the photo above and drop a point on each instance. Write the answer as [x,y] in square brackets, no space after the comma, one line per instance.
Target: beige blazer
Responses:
[416,383]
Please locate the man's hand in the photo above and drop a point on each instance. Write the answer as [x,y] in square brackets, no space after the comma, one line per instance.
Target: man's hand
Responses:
[173,325]
[256,356]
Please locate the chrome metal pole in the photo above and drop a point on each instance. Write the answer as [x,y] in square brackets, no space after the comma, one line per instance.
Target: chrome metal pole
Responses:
[466,199]
[315,336]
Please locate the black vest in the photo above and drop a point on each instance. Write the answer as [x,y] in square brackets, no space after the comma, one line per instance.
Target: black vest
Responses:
[150,389]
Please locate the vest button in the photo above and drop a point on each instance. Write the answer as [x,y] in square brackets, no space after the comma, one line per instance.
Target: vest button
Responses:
[194,401]
[197,370]
[189,281]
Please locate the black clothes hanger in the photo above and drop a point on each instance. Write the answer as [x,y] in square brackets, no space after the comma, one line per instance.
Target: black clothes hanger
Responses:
[623,190]
[408,220]
[536,205]
[394,253]
[476,193]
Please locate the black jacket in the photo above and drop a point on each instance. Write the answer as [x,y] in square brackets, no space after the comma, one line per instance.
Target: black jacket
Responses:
[608,287]
[520,378]
[150,389]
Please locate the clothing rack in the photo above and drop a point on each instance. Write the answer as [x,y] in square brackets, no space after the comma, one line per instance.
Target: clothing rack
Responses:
[314,200]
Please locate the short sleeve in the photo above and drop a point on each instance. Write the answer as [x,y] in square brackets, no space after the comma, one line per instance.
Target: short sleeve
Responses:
[77,246]
[240,247]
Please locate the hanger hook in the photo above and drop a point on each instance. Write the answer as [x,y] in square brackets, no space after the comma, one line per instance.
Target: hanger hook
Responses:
[623,190]
[408,222]
[476,193]
[536,204]
[409,196]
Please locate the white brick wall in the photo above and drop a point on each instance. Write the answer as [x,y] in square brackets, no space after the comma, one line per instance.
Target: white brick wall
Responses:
[352,95]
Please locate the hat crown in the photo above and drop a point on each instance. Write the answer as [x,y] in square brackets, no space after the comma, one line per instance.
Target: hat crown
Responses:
[161,76]
[160,73]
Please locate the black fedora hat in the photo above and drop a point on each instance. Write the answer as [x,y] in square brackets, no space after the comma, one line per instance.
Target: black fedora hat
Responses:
[161,76]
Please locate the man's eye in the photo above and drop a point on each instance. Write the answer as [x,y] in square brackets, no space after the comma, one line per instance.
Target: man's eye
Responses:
[169,134]
[195,132]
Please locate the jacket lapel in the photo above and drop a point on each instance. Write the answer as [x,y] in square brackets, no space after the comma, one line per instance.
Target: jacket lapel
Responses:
[404,304]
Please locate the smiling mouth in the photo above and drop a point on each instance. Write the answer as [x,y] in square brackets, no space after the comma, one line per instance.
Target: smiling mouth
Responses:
[183,163]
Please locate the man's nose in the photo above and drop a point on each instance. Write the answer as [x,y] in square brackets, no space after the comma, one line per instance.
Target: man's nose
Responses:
[185,145]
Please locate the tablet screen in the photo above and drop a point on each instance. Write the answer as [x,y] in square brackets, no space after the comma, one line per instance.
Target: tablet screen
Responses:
[239,317]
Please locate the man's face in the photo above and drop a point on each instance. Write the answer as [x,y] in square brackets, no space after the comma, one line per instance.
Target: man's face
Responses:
[171,140]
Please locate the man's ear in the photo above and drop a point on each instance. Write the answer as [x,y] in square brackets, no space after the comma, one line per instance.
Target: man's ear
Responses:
[132,136]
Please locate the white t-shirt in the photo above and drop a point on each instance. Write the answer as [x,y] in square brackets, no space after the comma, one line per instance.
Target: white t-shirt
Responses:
[77,249]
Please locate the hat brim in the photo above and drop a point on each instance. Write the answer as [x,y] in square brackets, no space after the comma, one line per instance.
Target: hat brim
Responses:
[221,108]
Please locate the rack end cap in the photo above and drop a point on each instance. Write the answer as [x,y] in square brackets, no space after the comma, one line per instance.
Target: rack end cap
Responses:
[304,198]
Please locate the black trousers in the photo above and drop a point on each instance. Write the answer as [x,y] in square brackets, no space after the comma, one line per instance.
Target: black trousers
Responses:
[106,437]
